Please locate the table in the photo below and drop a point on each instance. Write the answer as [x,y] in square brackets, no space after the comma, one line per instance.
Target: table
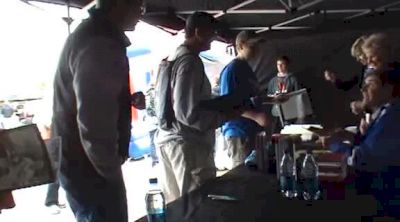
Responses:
[260,201]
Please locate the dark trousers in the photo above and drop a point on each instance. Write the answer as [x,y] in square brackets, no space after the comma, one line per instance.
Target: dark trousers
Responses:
[95,199]
[384,186]
[52,193]
[53,147]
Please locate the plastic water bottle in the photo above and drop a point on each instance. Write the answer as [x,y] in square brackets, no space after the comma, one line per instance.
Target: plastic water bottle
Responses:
[155,202]
[288,176]
[309,174]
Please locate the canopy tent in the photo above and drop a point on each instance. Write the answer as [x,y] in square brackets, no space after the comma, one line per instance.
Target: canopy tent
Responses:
[315,34]
[264,16]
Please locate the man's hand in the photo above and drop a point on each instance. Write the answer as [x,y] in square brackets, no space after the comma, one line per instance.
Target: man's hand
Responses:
[338,135]
[330,76]
[138,100]
[357,107]
[280,98]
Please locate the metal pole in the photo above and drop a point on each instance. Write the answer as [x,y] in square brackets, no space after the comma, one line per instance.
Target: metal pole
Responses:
[189,12]
[287,7]
[308,5]
[290,4]
[238,11]
[295,19]
[69,17]
[381,8]
[258,11]
[287,22]
[233,8]
[274,11]
[271,28]
[334,11]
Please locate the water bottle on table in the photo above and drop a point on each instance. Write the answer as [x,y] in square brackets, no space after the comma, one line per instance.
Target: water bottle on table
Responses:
[155,202]
[309,174]
[288,176]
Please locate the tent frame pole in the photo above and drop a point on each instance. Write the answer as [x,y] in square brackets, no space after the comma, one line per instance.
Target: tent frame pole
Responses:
[233,8]
[381,8]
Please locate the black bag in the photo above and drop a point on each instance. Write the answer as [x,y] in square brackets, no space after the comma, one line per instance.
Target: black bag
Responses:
[164,93]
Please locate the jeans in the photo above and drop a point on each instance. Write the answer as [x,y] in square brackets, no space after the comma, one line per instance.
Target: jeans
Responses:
[384,187]
[53,147]
[52,193]
[153,153]
[95,199]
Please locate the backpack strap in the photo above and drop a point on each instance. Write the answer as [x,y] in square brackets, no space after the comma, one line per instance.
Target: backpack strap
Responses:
[172,78]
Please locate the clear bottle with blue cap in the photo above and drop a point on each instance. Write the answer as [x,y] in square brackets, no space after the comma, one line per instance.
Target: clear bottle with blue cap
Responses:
[155,202]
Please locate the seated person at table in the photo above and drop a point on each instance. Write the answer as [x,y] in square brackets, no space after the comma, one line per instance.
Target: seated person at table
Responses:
[283,82]
[377,153]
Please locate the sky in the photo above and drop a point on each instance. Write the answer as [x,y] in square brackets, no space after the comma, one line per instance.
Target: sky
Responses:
[30,43]
[32,38]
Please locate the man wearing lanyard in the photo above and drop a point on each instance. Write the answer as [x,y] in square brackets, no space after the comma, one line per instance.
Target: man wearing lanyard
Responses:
[283,82]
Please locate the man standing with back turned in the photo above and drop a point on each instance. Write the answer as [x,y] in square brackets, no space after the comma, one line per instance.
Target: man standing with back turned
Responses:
[186,150]
[91,111]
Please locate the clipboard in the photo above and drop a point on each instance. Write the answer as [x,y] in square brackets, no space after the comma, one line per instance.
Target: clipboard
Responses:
[24,159]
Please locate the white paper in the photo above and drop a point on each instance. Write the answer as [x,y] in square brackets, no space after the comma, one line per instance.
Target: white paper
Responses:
[298,105]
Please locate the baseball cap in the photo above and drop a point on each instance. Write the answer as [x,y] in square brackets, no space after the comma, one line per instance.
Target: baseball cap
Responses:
[248,36]
[201,20]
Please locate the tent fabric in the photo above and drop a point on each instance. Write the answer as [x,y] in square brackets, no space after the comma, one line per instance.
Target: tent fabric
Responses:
[310,55]
[326,44]
[316,13]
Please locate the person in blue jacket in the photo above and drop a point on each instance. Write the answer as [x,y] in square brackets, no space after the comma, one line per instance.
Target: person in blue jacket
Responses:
[376,154]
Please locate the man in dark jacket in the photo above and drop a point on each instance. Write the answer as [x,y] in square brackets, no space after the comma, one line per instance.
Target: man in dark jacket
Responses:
[91,111]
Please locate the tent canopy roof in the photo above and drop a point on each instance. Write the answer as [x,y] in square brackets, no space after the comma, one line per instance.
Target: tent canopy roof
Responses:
[268,16]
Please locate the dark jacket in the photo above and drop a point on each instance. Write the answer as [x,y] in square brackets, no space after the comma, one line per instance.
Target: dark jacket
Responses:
[91,111]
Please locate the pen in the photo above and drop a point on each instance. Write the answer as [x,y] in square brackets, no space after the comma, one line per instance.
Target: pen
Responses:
[222,197]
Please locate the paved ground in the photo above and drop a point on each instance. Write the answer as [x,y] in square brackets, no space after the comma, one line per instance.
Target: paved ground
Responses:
[30,201]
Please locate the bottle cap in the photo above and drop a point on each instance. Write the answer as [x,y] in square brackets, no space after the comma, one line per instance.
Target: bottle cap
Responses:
[153,180]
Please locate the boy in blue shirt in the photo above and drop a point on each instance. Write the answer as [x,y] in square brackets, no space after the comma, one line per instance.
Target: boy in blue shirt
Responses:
[239,79]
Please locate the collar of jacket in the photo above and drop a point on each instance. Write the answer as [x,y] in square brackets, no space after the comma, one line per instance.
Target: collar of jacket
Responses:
[99,17]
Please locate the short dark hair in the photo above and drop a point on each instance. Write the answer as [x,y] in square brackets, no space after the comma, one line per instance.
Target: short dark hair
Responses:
[388,77]
[284,59]
[199,20]
[106,5]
